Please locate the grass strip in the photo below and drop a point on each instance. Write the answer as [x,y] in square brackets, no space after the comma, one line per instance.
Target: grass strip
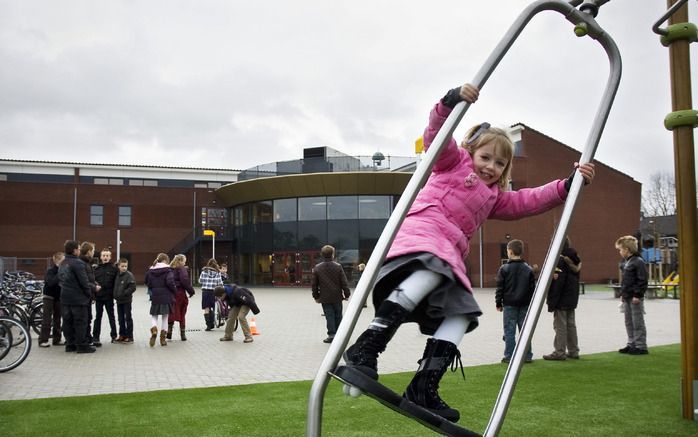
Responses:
[601,394]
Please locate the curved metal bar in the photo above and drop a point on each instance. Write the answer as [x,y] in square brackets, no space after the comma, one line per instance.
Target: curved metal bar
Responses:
[316,397]
[551,258]
[675,7]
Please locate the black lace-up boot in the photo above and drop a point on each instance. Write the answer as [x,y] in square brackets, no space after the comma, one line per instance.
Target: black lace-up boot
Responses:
[363,355]
[423,390]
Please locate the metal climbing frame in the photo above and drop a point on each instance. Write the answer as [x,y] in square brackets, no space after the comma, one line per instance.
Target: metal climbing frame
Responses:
[585,24]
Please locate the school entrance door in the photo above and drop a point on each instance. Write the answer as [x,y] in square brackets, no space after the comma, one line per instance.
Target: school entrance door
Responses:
[293,269]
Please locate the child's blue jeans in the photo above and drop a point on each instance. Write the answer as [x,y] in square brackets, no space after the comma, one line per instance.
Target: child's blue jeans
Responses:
[513,317]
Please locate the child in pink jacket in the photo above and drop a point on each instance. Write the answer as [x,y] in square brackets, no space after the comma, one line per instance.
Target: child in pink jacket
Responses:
[423,279]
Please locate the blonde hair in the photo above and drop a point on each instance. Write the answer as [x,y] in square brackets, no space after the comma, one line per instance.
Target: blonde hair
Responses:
[178,260]
[627,242]
[503,145]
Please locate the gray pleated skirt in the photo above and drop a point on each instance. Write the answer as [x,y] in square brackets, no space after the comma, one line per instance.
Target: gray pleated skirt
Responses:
[160,309]
[448,299]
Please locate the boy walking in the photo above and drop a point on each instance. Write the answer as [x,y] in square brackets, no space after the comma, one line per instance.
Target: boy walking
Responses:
[124,287]
[330,288]
[515,286]
[632,293]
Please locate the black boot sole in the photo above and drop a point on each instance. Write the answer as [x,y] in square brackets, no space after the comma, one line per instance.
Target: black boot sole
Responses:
[394,401]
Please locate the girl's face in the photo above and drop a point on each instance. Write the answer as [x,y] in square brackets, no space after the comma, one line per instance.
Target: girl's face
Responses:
[489,165]
[623,252]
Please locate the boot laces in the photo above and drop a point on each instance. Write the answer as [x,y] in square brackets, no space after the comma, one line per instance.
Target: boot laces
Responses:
[457,362]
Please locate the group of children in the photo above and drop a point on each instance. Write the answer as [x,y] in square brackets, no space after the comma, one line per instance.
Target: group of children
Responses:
[72,285]
[516,283]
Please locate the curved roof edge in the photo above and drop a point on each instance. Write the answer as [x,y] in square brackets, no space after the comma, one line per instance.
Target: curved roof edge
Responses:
[313,184]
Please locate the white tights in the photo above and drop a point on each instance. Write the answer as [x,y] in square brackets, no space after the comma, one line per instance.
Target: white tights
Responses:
[416,287]
[163,322]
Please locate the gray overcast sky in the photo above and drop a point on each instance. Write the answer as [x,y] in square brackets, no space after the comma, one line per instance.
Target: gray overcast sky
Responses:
[233,84]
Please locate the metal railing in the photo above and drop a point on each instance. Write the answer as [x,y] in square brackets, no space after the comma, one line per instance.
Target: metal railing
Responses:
[331,164]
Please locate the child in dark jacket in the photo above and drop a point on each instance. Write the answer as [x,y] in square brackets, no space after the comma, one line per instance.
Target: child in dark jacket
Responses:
[105,273]
[124,287]
[87,253]
[76,293]
[632,293]
[52,304]
[563,297]
[241,301]
[160,280]
[515,286]
[184,288]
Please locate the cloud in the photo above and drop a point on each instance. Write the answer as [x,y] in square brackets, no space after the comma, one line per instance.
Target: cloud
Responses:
[234,84]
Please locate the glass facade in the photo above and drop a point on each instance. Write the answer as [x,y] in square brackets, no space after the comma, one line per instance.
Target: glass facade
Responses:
[278,242]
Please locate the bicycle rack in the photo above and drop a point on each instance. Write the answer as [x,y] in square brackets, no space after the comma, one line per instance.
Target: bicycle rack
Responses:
[585,24]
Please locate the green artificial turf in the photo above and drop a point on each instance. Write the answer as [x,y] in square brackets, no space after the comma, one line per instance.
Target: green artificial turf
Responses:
[606,394]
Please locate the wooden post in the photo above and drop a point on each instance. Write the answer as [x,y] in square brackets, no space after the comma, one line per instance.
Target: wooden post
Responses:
[684,167]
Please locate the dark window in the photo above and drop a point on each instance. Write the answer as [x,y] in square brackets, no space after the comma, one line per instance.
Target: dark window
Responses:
[97,215]
[125,216]
[369,232]
[262,235]
[286,236]
[262,212]
[241,215]
[342,207]
[374,207]
[312,208]
[285,210]
[312,235]
[343,234]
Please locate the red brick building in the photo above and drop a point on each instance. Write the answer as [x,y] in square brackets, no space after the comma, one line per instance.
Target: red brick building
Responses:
[163,209]
[155,209]
[607,209]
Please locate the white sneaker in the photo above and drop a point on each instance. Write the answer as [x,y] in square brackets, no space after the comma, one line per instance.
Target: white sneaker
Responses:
[44,344]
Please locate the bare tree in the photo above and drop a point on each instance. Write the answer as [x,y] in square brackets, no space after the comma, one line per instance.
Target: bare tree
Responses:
[659,196]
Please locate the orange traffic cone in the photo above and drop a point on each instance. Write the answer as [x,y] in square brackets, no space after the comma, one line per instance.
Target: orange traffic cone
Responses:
[253,326]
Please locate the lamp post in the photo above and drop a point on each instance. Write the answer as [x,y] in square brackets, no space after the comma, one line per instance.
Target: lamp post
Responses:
[212,233]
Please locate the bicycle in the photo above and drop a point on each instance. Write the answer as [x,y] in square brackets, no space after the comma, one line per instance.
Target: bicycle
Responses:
[221,314]
[15,343]
[23,306]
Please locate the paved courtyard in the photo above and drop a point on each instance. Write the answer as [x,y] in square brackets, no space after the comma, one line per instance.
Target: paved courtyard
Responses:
[290,347]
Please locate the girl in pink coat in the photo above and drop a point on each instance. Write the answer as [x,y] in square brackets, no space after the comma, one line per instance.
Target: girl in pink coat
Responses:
[423,279]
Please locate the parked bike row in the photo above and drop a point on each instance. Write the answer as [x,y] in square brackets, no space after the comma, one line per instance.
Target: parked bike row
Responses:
[21,309]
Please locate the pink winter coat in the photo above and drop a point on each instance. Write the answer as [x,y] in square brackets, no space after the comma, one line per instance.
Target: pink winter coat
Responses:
[455,202]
